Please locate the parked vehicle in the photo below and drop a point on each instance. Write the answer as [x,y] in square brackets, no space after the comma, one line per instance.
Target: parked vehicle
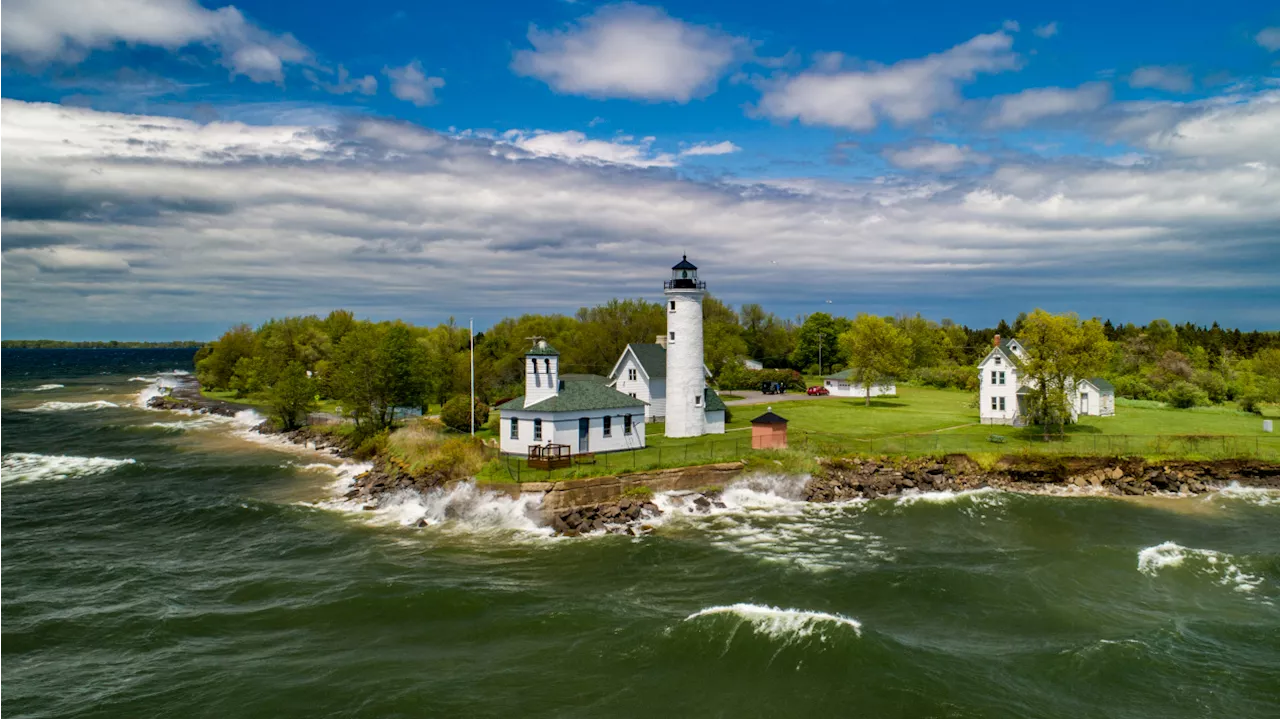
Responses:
[818,391]
[773,388]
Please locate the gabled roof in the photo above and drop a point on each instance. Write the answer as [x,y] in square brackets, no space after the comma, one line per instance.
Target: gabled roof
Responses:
[1003,351]
[578,396]
[1103,386]
[684,264]
[652,357]
[768,418]
[847,375]
[711,401]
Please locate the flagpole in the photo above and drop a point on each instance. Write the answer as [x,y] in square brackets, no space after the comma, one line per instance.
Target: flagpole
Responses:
[471,328]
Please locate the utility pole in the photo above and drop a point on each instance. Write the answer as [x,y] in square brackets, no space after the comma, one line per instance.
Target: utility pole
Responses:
[820,336]
[471,329]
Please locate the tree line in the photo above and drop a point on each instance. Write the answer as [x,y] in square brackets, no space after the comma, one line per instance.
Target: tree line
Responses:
[374,367]
[96,344]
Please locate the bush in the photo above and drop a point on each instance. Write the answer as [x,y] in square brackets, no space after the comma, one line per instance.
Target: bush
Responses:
[1134,387]
[456,414]
[371,445]
[1184,395]
[1251,402]
[947,377]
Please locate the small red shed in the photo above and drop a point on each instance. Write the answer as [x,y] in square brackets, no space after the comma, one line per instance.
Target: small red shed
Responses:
[769,431]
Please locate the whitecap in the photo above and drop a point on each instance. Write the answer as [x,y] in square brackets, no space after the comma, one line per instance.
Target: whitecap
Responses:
[984,496]
[778,623]
[1152,561]
[21,467]
[69,406]
[1261,496]
[160,385]
[47,387]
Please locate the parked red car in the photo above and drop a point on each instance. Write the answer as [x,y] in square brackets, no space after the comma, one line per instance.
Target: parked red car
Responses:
[818,390]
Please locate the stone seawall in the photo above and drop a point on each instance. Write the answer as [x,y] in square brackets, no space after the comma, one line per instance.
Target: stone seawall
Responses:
[579,493]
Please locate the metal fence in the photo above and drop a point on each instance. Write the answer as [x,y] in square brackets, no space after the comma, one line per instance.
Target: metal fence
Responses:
[724,448]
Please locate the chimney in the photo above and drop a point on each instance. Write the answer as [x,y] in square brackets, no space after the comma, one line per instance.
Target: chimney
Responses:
[996,341]
[662,340]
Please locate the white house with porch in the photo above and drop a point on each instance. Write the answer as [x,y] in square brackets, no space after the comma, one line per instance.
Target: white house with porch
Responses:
[581,412]
[1003,388]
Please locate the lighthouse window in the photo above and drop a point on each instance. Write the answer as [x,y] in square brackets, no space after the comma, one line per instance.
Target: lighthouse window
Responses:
[671,336]
[697,401]
[673,305]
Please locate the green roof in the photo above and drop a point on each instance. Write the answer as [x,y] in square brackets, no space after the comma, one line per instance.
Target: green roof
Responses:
[544,349]
[712,401]
[1102,384]
[840,375]
[578,396]
[584,378]
[653,358]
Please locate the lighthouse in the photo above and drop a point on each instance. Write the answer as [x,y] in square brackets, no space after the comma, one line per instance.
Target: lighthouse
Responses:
[686,378]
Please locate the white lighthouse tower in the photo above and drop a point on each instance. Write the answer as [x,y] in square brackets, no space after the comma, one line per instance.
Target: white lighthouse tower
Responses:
[686,381]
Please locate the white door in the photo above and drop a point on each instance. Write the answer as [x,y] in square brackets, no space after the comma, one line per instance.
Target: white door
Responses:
[1084,404]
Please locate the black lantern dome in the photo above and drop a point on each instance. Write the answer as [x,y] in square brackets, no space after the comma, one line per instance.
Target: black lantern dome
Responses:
[685,276]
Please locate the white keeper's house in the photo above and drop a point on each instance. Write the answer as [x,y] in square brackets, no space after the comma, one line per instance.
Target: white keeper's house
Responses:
[581,412]
[1003,388]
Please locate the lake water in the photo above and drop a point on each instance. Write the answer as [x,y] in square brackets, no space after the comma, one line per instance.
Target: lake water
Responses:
[157,564]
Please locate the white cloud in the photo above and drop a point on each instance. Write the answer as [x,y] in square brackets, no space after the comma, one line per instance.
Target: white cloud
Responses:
[226,222]
[411,84]
[630,51]
[1046,30]
[939,156]
[41,31]
[573,145]
[1011,25]
[1269,38]
[1160,77]
[1029,106]
[344,84]
[709,148]
[906,91]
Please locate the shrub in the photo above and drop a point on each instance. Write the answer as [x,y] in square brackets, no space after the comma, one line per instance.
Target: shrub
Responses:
[1134,387]
[946,377]
[1184,395]
[1251,402]
[456,414]
[638,492]
[371,445]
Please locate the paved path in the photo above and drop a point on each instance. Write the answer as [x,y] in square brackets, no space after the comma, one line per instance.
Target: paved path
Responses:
[755,397]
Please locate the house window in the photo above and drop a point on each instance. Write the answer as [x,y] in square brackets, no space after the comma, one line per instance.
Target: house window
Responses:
[537,430]
[633,395]
[997,360]
[994,404]
[1001,404]
[608,426]
[626,424]
[515,428]
[673,305]
[993,377]
[631,374]
[671,336]
[1002,378]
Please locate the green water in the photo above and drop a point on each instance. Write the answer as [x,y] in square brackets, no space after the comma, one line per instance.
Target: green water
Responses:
[212,577]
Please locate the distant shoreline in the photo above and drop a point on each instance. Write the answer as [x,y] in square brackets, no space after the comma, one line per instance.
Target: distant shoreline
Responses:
[97,345]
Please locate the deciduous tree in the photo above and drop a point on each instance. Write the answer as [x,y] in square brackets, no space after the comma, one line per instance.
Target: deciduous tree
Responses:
[876,350]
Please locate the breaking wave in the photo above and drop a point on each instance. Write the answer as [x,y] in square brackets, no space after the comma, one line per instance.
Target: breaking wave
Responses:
[985,496]
[1260,496]
[1152,561]
[461,506]
[70,406]
[47,387]
[778,623]
[22,467]
[161,384]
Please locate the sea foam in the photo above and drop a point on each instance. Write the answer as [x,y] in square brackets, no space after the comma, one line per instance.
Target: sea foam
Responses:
[778,623]
[461,506]
[21,467]
[47,387]
[1152,561]
[71,406]
[1261,496]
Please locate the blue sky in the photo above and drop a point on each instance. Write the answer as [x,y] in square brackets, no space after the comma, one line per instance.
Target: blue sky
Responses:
[170,167]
